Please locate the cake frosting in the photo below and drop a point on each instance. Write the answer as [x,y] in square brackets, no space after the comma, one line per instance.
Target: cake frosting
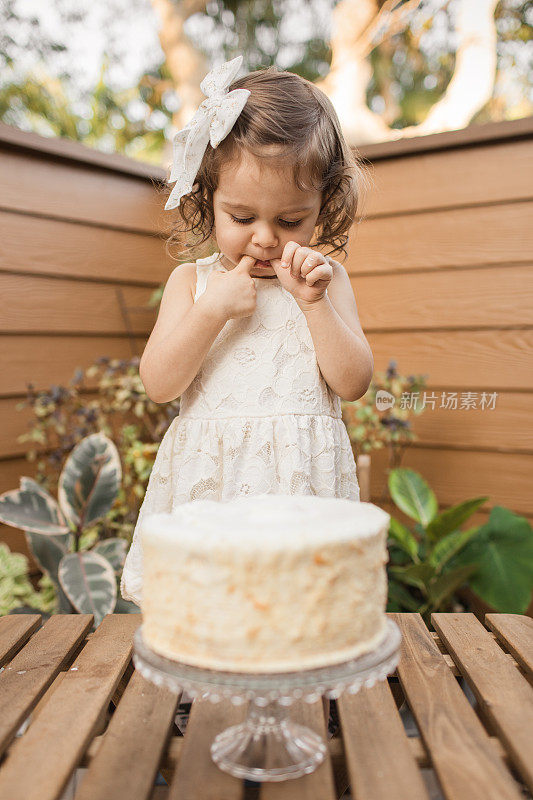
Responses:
[265,583]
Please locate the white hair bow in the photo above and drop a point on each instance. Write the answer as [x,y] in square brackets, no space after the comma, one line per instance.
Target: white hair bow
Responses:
[212,122]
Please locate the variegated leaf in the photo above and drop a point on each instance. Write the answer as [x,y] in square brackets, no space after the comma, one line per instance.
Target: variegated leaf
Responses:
[114,550]
[31,508]
[48,552]
[90,480]
[89,582]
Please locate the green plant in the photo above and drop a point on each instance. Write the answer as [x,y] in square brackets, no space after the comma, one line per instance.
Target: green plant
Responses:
[428,565]
[16,588]
[120,408]
[61,533]
[503,553]
[371,429]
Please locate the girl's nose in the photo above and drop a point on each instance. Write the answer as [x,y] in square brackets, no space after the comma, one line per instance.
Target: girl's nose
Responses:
[263,236]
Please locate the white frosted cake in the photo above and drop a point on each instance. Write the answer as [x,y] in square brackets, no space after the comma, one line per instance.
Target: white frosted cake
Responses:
[265,583]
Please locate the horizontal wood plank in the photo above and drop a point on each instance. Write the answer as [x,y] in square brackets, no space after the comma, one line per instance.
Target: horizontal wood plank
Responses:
[473,424]
[443,299]
[452,178]
[26,678]
[53,305]
[44,360]
[39,764]
[504,694]
[452,238]
[476,134]
[462,754]
[504,428]
[479,360]
[44,187]
[10,472]
[72,250]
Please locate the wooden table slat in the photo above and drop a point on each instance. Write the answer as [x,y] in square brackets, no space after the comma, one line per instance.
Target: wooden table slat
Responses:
[39,764]
[462,754]
[516,633]
[124,768]
[15,630]
[502,691]
[26,678]
[380,759]
[197,776]
[67,711]
[318,784]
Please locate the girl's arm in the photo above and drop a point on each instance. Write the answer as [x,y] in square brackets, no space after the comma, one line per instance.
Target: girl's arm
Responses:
[342,349]
[344,358]
[181,338]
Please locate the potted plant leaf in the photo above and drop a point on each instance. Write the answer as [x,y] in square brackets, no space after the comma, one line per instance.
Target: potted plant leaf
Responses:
[85,577]
[430,563]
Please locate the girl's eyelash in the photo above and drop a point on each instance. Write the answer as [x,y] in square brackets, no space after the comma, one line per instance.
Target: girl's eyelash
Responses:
[283,221]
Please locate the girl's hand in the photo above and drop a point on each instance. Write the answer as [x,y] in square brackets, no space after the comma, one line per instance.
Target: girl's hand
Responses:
[307,274]
[232,294]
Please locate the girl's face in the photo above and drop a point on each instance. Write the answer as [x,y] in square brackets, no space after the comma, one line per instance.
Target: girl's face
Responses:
[257,210]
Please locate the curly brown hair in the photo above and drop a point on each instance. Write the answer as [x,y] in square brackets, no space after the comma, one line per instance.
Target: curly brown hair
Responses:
[290,113]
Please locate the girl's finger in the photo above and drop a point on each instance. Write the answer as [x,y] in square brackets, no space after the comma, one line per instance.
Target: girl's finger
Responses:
[288,253]
[300,258]
[322,272]
[245,264]
[310,263]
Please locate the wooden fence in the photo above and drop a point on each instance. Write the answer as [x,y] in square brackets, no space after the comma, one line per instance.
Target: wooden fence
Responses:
[79,241]
[441,269]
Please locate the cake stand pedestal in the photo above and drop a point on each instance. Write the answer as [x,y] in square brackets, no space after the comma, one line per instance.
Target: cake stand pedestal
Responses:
[268,745]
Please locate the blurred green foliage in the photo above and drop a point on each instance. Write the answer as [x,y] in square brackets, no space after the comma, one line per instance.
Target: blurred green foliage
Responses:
[16,589]
[106,123]
[370,428]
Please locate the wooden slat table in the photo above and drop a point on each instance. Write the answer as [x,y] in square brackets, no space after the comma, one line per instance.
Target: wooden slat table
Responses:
[77,722]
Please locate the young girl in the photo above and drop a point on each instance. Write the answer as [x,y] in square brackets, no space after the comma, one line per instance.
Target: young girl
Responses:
[261,340]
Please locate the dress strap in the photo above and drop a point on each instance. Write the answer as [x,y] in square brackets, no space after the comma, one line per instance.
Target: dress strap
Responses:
[209,259]
[204,267]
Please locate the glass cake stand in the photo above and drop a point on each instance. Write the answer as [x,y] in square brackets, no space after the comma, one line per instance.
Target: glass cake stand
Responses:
[268,745]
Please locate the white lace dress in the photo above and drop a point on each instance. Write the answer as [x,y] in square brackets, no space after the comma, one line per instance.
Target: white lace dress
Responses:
[258,417]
